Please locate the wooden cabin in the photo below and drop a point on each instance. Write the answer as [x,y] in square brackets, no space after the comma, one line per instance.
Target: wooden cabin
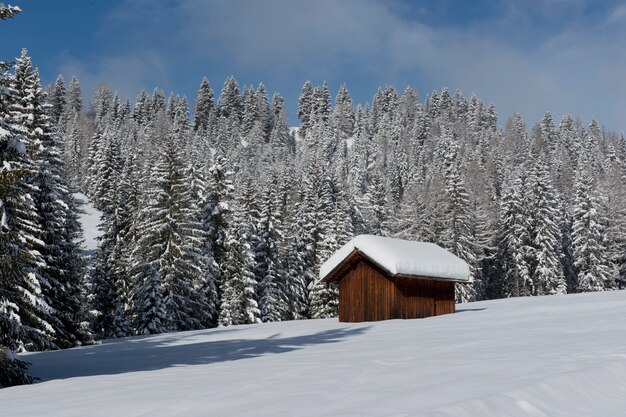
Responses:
[382,278]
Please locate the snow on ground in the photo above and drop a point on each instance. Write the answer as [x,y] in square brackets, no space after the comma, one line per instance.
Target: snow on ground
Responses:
[89,218]
[544,356]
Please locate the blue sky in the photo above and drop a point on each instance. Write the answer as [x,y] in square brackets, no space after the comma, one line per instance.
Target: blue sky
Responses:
[565,56]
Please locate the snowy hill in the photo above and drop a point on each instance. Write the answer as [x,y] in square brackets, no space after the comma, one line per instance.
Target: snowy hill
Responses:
[90,219]
[543,356]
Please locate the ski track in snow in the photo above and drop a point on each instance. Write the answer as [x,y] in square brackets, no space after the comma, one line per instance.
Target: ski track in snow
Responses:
[543,356]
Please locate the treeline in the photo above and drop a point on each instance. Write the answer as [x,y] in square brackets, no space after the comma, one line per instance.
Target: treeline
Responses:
[225,216]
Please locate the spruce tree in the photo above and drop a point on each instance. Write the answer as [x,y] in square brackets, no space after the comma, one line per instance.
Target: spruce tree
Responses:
[269,264]
[305,107]
[62,270]
[513,243]
[239,283]
[22,260]
[204,107]
[168,271]
[545,266]
[58,100]
[589,252]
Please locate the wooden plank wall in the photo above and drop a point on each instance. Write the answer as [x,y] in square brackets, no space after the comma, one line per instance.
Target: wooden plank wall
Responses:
[367,294]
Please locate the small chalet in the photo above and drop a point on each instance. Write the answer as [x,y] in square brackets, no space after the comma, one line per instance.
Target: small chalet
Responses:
[382,278]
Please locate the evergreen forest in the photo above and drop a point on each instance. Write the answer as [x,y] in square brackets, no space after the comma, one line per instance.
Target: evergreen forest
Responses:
[218,213]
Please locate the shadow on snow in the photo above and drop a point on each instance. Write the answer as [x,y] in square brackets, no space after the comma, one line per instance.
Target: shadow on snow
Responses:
[144,353]
[463,310]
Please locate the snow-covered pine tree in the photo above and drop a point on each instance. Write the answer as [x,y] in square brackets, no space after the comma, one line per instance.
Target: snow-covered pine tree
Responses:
[590,260]
[123,230]
[513,243]
[61,271]
[218,206]
[21,230]
[269,264]
[457,237]
[73,140]
[296,268]
[200,248]
[197,268]
[343,113]
[168,268]
[103,295]
[204,110]
[305,107]
[106,171]
[74,102]
[263,112]
[249,110]
[613,204]
[360,156]
[377,207]
[545,265]
[12,370]
[239,284]
[281,147]
[58,101]
[101,102]
[324,298]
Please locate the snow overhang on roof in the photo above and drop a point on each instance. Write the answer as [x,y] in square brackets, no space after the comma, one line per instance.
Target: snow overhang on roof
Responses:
[401,257]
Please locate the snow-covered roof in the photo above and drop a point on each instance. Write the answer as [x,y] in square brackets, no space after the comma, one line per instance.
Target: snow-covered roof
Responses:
[401,257]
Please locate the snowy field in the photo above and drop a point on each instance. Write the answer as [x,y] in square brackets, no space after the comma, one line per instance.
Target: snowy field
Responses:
[89,219]
[545,356]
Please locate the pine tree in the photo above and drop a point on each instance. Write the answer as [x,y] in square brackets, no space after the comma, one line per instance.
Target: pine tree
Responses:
[12,152]
[457,237]
[28,313]
[101,102]
[297,270]
[589,253]
[377,206]
[343,114]
[202,246]
[263,111]
[61,272]
[74,98]
[58,100]
[281,147]
[229,103]
[269,268]
[545,266]
[122,287]
[239,284]
[324,298]
[168,267]
[305,107]
[217,207]
[513,242]
[249,116]
[204,107]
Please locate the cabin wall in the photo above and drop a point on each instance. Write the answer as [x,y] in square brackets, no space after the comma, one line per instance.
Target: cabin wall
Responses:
[367,294]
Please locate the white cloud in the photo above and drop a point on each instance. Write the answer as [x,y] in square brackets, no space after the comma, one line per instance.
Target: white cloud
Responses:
[125,74]
[618,15]
[577,70]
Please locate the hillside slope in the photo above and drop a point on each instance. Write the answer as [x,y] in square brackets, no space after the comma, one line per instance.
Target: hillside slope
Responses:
[547,356]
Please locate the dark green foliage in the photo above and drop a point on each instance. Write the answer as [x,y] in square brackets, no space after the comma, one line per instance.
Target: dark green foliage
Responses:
[13,371]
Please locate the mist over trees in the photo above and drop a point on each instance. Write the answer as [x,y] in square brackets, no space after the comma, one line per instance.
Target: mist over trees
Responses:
[218,213]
